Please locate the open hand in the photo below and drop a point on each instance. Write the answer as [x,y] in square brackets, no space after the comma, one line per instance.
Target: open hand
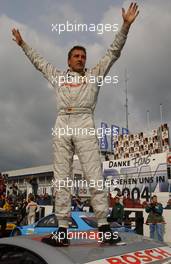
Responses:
[17,36]
[130,15]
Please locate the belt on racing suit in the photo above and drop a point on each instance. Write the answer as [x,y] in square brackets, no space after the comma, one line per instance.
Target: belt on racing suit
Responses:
[75,110]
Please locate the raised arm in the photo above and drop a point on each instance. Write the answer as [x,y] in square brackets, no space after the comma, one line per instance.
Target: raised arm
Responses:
[48,70]
[113,53]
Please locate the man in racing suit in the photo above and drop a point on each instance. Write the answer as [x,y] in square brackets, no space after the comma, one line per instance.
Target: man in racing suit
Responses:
[76,101]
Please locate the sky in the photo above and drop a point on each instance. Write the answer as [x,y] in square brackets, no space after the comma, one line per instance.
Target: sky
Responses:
[27,101]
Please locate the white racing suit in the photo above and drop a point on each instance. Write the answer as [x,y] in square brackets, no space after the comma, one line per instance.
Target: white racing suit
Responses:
[31,210]
[76,103]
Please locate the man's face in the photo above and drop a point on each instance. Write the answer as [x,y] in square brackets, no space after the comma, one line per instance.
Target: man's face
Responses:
[155,199]
[77,60]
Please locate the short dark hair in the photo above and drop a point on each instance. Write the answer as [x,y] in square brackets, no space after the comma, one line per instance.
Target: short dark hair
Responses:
[74,48]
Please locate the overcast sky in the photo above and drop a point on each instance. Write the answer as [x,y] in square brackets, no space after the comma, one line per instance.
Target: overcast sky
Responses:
[27,102]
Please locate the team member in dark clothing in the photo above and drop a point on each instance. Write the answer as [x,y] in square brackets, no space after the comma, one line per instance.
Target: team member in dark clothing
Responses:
[155,218]
[117,211]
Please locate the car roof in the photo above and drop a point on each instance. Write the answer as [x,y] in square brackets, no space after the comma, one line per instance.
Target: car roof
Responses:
[83,251]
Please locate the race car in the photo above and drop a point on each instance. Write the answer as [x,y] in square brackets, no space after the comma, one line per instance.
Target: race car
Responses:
[137,250]
[77,221]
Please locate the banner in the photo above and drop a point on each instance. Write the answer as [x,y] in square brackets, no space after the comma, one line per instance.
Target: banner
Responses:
[138,177]
[103,139]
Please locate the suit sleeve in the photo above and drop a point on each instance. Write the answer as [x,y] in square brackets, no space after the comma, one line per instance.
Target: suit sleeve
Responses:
[112,54]
[48,70]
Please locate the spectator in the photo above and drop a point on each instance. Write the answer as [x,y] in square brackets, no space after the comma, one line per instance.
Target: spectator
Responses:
[117,212]
[3,220]
[22,217]
[15,189]
[128,202]
[44,199]
[168,206]
[111,200]
[31,210]
[41,200]
[2,200]
[155,219]
[2,185]
[119,193]
[7,207]
[47,199]
[137,203]
[34,185]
